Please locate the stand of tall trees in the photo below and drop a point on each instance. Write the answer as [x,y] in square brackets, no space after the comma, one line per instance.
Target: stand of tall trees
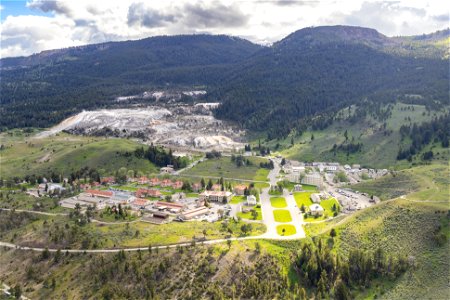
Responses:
[333,275]
[435,131]
[160,157]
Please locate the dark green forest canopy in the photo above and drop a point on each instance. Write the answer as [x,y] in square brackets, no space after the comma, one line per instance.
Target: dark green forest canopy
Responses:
[312,72]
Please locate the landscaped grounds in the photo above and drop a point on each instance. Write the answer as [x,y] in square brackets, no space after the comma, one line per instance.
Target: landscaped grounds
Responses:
[286,230]
[278,202]
[282,215]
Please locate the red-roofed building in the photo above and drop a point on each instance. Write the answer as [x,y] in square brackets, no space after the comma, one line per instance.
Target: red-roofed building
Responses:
[172,206]
[140,204]
[98,193]
[154,181]
[141,193]
[107,180]
[143,180]
[216,187]
[196,187]
[239,189]
[177,184]
[166,183]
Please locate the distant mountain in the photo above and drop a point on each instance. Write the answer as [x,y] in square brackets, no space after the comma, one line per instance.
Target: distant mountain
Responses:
[320,70]
[308,74]
[44,88]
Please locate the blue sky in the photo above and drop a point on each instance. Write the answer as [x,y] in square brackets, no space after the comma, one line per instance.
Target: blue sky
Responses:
[17,8]
[32,26]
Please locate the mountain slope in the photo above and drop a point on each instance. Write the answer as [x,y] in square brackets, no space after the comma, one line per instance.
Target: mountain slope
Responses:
[313,71]
[316,70]
[65,81]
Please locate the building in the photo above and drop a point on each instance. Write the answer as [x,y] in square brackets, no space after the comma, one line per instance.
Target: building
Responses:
[316,210]
[313,179]
[315,198]
[177,184]
[196,187]
[138,204]
[331,169]
[193,213]
[166,183]
[143,180]
[171,206]
[156,217]
[240,189]
[154,181]
[298,188]
[356,166]
[107,180]
[101,194]
[216,196]
[216,187]
[251,200]
[141,193]
[167,170]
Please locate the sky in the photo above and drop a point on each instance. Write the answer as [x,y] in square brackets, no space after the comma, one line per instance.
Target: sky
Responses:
[32,26]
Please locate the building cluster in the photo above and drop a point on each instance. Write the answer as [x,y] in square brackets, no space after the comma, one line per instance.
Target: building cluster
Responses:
[157,206]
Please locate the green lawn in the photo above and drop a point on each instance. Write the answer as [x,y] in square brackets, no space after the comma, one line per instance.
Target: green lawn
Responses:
[303,198]
[278,202]
[328,206]
[288,230]
[282,215]
[237,199]
[224,167]
[248,215]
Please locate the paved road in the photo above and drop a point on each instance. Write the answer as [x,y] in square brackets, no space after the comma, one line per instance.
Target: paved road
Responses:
[267,210]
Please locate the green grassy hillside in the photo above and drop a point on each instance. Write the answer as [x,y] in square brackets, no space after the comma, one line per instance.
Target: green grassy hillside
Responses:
[426,183]
[380,143]
[25,155]
[224,167]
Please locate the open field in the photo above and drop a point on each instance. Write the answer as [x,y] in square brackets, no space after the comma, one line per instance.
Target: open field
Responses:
[282,215]
[427,182]
[288,230]
[224,167]
[278,202]
[379,150]
[66,153]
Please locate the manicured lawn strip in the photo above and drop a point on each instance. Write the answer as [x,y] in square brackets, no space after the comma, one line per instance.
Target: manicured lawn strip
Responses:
[248,215]
[237,199]
[288,230]
[282,215]
[278,202]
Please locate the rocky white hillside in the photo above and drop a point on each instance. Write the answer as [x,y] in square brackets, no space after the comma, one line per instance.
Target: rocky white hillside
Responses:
[178,126]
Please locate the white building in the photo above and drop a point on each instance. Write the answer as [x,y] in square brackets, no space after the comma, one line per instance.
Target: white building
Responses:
[315,198]
[313,179]
[251,200]
[316,210]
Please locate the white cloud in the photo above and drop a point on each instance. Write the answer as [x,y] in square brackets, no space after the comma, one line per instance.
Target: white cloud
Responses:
[85,21]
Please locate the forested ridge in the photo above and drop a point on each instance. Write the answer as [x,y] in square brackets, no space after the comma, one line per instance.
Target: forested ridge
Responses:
[299,81]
